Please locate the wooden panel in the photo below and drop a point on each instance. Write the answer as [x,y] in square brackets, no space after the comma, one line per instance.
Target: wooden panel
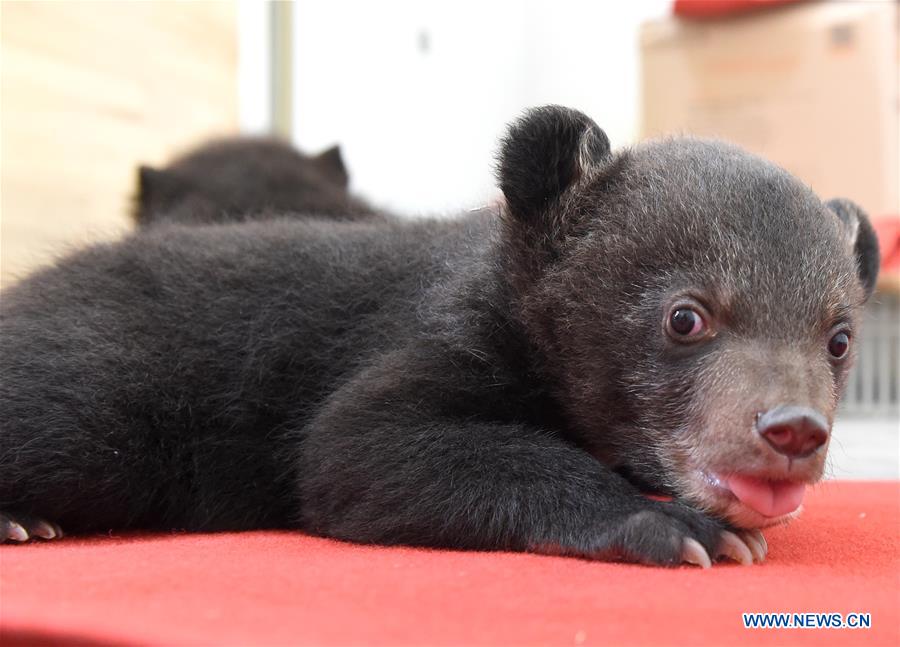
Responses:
[89,91]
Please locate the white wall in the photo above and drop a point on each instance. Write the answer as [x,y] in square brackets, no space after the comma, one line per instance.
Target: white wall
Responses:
[254,67]
[417,93]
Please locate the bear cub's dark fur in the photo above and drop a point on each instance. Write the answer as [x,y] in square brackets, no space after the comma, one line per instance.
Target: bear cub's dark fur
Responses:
[504,380]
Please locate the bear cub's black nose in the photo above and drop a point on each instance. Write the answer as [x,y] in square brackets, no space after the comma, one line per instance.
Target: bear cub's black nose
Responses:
[793,431]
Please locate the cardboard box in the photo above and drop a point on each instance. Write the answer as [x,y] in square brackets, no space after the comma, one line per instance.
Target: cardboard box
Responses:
[811,86]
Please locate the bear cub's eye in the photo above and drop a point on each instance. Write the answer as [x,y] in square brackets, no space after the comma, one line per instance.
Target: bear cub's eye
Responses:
[685,323]
[839,345]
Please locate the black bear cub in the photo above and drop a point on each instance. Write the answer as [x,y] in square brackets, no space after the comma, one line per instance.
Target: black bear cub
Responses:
[678,317]
[247,178]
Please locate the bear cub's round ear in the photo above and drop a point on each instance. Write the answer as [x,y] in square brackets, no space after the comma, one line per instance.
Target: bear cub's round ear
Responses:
[544,152]
[861,239]
[331,163]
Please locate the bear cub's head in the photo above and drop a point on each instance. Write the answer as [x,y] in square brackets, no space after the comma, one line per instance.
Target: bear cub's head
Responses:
[695,306]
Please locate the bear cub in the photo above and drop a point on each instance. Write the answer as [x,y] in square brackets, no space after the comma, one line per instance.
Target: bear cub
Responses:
[678,317]
[246,178]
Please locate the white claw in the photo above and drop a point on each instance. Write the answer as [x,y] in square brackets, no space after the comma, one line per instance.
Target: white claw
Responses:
[693,552]
[17,532]
[44,530]
[756,543]
[762,540]
[732,547]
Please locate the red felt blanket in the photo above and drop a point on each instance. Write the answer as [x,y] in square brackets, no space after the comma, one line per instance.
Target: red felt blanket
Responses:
[269,588]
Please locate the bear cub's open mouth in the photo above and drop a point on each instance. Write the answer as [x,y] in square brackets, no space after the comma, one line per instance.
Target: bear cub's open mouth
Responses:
[773,500]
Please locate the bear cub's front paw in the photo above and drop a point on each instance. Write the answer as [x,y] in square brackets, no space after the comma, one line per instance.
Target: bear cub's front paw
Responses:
[667,534]
[672,533]
[22,527]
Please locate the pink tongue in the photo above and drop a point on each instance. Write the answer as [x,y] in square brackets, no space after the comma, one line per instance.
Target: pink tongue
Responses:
[769,498]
